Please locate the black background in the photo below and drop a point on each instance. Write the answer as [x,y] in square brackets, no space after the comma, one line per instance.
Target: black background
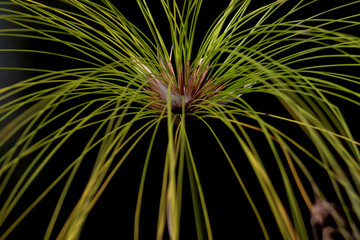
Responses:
[230,214]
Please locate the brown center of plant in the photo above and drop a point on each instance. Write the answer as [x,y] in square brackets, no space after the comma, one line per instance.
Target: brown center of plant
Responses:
[189,86]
